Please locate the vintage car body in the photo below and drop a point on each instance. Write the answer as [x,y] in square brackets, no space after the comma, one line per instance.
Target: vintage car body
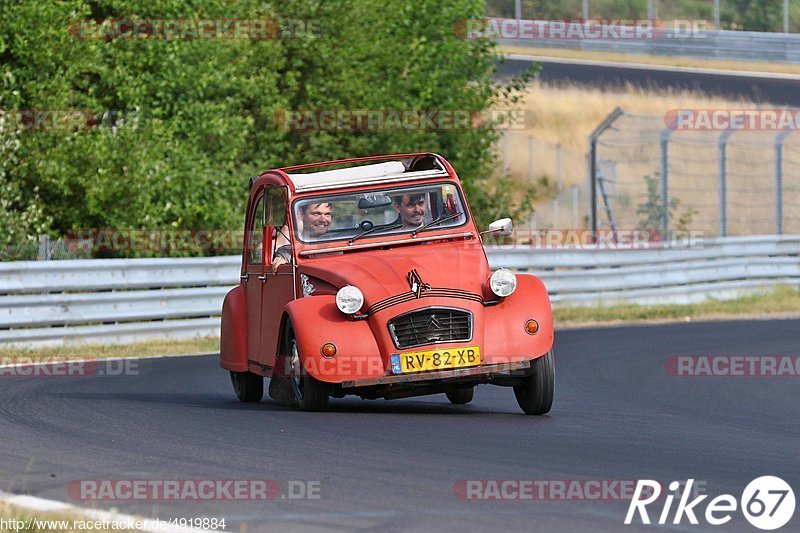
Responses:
[430,321]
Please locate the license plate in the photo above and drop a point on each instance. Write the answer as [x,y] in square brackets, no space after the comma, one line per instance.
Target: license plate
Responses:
[435,359]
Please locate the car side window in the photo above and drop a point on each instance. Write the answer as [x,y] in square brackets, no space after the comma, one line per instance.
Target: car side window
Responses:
[277,201]
[277,206]
[255,244]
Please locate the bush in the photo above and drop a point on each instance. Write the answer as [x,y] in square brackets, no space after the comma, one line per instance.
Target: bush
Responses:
[192,120]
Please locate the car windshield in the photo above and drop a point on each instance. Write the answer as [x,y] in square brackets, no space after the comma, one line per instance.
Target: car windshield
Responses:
[379,212]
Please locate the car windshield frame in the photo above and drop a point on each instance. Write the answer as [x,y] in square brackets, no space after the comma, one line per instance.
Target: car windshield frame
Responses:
[387,191]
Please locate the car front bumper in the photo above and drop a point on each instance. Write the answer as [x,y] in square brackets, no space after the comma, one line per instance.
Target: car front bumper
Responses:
[438,375]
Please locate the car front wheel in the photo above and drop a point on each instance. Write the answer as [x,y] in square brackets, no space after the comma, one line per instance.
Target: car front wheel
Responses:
[248,387]
[311,394]
[535,393]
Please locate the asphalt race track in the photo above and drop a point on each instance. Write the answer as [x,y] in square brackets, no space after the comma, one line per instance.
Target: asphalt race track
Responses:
[392,466]
[778,91]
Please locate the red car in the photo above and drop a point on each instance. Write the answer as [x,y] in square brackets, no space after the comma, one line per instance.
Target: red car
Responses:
[368,277]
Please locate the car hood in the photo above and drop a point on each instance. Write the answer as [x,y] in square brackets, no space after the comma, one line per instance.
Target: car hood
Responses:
[384,273]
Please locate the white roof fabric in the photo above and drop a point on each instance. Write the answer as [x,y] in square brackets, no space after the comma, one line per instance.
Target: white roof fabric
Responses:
[365,174]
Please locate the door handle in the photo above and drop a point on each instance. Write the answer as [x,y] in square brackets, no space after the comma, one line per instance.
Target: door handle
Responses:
[245,277]
[263,278]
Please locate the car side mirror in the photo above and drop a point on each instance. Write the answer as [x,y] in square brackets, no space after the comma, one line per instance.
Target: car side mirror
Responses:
[503,227]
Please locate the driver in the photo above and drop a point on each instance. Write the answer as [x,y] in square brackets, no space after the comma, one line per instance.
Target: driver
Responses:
[315,221]
[411,210]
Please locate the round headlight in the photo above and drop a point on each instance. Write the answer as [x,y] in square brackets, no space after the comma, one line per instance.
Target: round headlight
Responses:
[503,282]
[349,299]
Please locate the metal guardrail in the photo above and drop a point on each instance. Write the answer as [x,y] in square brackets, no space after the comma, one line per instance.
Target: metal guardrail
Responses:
[722,44]
[129,300]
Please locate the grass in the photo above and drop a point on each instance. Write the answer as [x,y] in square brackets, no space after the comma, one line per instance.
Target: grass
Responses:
[567,114]
[672,61]
[97,351]
[780,302]
[13,512]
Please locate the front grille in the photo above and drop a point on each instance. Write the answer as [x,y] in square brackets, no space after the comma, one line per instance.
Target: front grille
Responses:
[429,326]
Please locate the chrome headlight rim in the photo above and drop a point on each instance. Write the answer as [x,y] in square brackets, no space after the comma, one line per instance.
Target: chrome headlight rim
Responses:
[503,282]
[349,299]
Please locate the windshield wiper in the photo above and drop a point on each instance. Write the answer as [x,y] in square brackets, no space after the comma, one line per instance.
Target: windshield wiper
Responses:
[374,230]
[435,222]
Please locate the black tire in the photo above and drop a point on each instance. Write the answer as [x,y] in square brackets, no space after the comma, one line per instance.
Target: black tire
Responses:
[535,394]
[248,387]
[311,394]
[461,396]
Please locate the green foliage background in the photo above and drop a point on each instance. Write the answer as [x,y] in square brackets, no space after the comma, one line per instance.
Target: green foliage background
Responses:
[197,116]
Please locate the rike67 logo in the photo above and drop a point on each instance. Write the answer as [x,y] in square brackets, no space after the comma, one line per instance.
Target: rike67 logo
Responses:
[767,503]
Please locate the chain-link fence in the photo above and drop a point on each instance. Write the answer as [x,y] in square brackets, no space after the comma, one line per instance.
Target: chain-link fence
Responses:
[45,249]
[651,176]
[559,174]
[719,181]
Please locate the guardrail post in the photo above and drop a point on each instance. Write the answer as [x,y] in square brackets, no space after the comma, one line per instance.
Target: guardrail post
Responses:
[723,182]
[716,16]
[664,153]
[779,180]
[602,127]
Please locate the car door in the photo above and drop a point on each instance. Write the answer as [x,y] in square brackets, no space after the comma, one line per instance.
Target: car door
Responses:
[253,276]
[279,286]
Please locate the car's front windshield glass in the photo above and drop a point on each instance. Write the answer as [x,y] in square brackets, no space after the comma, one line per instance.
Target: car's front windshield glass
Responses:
[379,212]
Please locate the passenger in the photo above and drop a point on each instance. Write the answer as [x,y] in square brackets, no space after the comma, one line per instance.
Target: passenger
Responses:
[411,210]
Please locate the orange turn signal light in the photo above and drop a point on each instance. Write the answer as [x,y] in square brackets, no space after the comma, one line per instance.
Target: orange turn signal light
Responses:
[328,349]
[531,326]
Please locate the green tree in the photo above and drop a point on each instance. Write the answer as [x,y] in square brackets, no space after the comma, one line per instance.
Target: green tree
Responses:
[752,15]
[652,210]
[192,120]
